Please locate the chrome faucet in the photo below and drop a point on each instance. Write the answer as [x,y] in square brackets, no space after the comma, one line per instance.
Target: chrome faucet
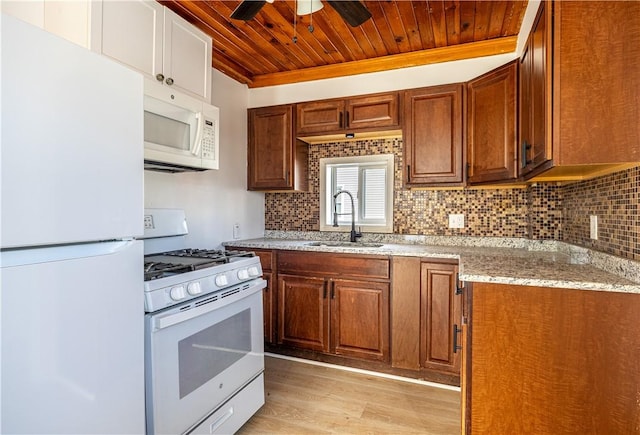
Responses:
[354,234]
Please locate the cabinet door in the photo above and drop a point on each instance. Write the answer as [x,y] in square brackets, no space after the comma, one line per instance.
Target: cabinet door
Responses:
[69,19]
[433,135]
[440,310]
[535,85]
[303,313]
[372,112]
[557,360]
[132,34]
[186,56]
[492,125]
[270,151]
[360,319]
[319,117]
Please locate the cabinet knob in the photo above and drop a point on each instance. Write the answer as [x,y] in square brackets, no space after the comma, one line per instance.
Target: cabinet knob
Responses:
[169,81]
[159,77]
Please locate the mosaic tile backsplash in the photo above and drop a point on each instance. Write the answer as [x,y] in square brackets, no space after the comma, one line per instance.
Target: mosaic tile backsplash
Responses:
[615,200]
[544,211]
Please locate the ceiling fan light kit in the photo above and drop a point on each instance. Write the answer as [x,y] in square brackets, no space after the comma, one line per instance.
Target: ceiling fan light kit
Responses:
[305,7]
[352,11]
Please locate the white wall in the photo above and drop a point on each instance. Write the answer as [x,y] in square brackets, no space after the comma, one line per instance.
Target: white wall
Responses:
[215,200]
[405,78]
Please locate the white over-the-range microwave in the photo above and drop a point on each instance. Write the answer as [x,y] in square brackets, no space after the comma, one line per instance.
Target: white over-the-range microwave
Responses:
[180,132]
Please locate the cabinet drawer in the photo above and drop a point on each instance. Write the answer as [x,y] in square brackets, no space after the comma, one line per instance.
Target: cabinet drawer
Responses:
[330,264]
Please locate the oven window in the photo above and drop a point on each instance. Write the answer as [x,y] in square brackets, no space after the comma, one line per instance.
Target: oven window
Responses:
[205,354]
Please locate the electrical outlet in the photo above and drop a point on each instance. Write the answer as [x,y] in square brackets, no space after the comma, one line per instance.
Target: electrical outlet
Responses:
[456,221]
[593,226]
[148,222]
[236,231]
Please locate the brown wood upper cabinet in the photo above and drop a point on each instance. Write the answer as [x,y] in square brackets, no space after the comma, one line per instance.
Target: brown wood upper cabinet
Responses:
[356,114]
[276,160]
[579,80]
[492,125]
[433,143]
[535,86]
[336,304]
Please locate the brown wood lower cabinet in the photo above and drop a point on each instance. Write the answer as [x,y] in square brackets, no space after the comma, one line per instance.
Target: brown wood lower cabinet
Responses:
[440,317]
[426,312]
[319,310]
[550,360]
[269,294]
[302,311]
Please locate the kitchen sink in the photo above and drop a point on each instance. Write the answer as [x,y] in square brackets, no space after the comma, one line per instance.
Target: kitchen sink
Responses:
[346,244]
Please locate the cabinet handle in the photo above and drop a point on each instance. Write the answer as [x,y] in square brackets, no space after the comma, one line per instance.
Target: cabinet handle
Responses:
[466,177]
[525,151]
[346,124]
[159,77]
[341,119]
[456,331]
[324,290]
[459,289]
[408,173]
[286,177]
[333,290]
[169,81]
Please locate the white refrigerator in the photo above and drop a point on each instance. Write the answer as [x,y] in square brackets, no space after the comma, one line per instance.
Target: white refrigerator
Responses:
[71,270]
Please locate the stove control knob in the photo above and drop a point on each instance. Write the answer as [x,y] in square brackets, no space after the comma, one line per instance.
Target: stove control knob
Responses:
[194,288]
[221,280]
[243,274]
[177,293]
[253,271]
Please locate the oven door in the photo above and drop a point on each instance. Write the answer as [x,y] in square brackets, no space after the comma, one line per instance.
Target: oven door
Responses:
[197,358]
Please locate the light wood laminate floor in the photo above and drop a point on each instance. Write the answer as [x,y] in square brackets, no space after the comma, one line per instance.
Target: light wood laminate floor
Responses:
[301,398]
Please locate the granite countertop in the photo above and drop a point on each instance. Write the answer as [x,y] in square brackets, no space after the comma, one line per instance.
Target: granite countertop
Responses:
[495,260]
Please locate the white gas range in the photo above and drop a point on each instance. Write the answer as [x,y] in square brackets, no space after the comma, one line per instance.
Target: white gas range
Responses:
[203,332]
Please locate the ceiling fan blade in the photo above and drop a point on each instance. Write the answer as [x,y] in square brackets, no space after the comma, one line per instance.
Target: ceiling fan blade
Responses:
[353,12]
[247,9]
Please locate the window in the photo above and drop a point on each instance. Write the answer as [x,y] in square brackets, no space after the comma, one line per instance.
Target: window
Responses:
[369,180]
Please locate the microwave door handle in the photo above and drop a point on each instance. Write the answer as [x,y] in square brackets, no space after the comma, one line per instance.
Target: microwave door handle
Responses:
[195,146]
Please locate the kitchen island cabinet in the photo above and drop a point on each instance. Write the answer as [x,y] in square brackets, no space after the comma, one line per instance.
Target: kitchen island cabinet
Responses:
[550,360]
[336,304]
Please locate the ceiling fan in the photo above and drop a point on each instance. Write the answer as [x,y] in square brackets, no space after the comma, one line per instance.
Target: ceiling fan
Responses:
[353,12]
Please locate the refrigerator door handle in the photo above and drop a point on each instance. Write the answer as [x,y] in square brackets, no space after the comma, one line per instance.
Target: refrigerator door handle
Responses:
[49,254]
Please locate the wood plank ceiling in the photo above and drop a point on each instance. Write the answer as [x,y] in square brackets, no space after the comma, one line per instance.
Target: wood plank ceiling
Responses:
[402,33]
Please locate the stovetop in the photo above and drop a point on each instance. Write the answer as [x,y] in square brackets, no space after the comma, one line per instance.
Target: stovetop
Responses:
[164,264]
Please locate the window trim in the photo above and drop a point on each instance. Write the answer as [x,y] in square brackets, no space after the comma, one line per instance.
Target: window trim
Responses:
[380,159]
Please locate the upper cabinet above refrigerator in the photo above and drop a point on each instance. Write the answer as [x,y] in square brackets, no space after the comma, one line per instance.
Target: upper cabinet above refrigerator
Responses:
[141,34]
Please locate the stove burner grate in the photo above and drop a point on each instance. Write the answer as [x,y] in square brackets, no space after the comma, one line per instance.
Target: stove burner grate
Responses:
[214,254]
[210,258]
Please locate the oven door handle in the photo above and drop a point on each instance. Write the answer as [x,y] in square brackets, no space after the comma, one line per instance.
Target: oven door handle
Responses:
[162,321]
